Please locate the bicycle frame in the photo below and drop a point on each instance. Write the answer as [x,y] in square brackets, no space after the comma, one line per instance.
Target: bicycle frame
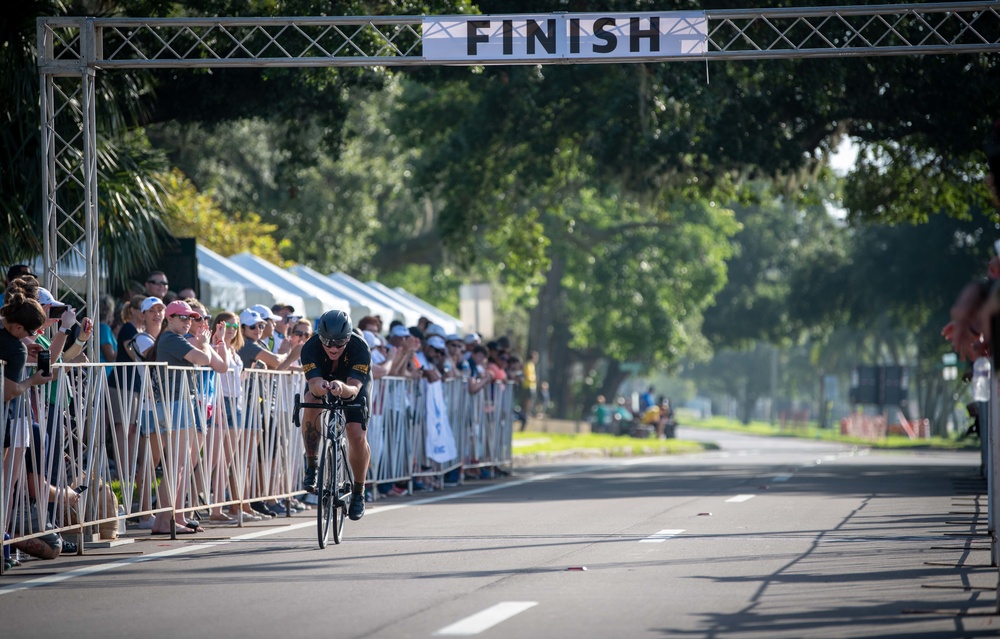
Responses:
[335,477]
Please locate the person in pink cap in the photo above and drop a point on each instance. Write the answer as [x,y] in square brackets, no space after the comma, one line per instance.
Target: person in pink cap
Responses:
[169,431]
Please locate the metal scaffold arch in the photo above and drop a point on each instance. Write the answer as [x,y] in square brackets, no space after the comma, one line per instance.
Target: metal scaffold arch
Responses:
[71,51]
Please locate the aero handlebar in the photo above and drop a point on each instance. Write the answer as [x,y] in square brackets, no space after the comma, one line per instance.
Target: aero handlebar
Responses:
[329,403]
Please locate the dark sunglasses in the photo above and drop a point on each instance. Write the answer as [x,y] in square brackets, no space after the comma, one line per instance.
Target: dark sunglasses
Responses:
[329,343]
[300,334]
[185,318]
[198,319]
[161,283]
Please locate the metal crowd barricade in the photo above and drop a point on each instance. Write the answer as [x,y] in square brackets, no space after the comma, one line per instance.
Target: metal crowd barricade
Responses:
[489,428]
[147,438]
[989,433]
[3,473]
[58,443]
[389,430]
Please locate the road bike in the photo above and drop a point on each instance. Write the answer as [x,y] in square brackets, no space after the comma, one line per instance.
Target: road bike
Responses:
[335,479]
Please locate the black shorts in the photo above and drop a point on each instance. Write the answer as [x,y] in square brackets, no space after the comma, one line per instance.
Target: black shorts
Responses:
[360,414]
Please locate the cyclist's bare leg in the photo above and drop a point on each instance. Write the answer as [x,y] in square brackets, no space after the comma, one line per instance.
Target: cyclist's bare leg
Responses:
[312,435]
[359,452]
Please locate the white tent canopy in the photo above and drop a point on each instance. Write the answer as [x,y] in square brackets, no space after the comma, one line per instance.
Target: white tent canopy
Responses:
[361,305]
[410,314]
[451,324]
[218,291]
[316,301]
[258,290]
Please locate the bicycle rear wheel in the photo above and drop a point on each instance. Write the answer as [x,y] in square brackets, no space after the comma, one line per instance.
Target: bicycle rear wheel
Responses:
[326,491]
[343,484]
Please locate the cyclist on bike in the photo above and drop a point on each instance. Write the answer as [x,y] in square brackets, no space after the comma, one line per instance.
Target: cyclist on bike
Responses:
[337,360]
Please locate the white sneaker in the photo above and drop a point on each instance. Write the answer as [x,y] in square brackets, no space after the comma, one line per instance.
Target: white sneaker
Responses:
[246,517]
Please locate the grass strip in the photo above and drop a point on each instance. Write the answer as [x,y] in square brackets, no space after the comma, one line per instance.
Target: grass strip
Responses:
[812,431]
[535,443]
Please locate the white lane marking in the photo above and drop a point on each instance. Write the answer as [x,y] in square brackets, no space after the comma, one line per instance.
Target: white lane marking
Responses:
[474,624]
[89,570]
[661,536]
[738,498]
[781,478]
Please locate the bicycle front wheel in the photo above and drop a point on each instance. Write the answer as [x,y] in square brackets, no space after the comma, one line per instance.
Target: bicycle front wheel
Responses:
[344,483]
[326,491]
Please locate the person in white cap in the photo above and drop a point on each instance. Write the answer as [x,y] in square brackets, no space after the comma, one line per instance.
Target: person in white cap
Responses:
[65,316]
[401,351]
[152,309]
[255,351]
[436,329]
[270,320]
[459,363]
[381,365]
[434,355]
[284,319]
[471,341]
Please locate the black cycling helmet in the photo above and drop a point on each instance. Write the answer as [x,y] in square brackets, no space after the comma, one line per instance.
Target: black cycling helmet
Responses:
[334,328]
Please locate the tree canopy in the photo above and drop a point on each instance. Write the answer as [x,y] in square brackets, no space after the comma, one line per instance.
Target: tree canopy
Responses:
[633,210]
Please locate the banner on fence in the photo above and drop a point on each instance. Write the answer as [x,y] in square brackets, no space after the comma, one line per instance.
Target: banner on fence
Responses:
[440,441]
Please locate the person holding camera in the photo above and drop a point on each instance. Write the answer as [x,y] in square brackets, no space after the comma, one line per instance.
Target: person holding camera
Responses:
[22,318]
[68,327]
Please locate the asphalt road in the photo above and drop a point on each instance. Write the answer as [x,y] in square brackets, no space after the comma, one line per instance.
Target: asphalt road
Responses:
[764,538]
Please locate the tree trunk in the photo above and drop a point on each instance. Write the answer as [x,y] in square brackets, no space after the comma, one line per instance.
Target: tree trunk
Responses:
[613,381]
[748,399]
[562,369]
[541,327]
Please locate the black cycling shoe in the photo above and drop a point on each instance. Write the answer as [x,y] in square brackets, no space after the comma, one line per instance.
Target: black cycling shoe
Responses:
[357,508]
[309,481]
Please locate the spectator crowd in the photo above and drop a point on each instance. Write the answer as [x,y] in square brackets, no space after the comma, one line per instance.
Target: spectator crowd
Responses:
[156,325]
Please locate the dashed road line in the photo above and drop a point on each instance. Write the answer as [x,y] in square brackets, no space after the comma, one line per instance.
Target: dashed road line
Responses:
[738,498]
[781,477]
[486,619]
[661,536]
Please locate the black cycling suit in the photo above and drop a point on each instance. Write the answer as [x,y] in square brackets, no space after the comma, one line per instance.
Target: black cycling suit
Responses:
[354,363]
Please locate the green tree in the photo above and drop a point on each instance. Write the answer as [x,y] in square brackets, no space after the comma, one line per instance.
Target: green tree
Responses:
[777,237]
[129,196]
[190,213]
[894,286]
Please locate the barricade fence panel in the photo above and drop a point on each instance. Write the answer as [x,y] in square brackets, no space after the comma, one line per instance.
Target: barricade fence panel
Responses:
[147,438]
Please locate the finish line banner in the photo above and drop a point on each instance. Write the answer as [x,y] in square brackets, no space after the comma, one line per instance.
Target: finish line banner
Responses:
[581,37]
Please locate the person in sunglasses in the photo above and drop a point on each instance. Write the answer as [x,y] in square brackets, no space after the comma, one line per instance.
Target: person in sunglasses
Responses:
[337,360]
[255,353]
[157,285]
[298,335]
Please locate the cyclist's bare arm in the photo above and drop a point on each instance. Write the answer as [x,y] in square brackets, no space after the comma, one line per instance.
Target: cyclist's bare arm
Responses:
[318,387]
